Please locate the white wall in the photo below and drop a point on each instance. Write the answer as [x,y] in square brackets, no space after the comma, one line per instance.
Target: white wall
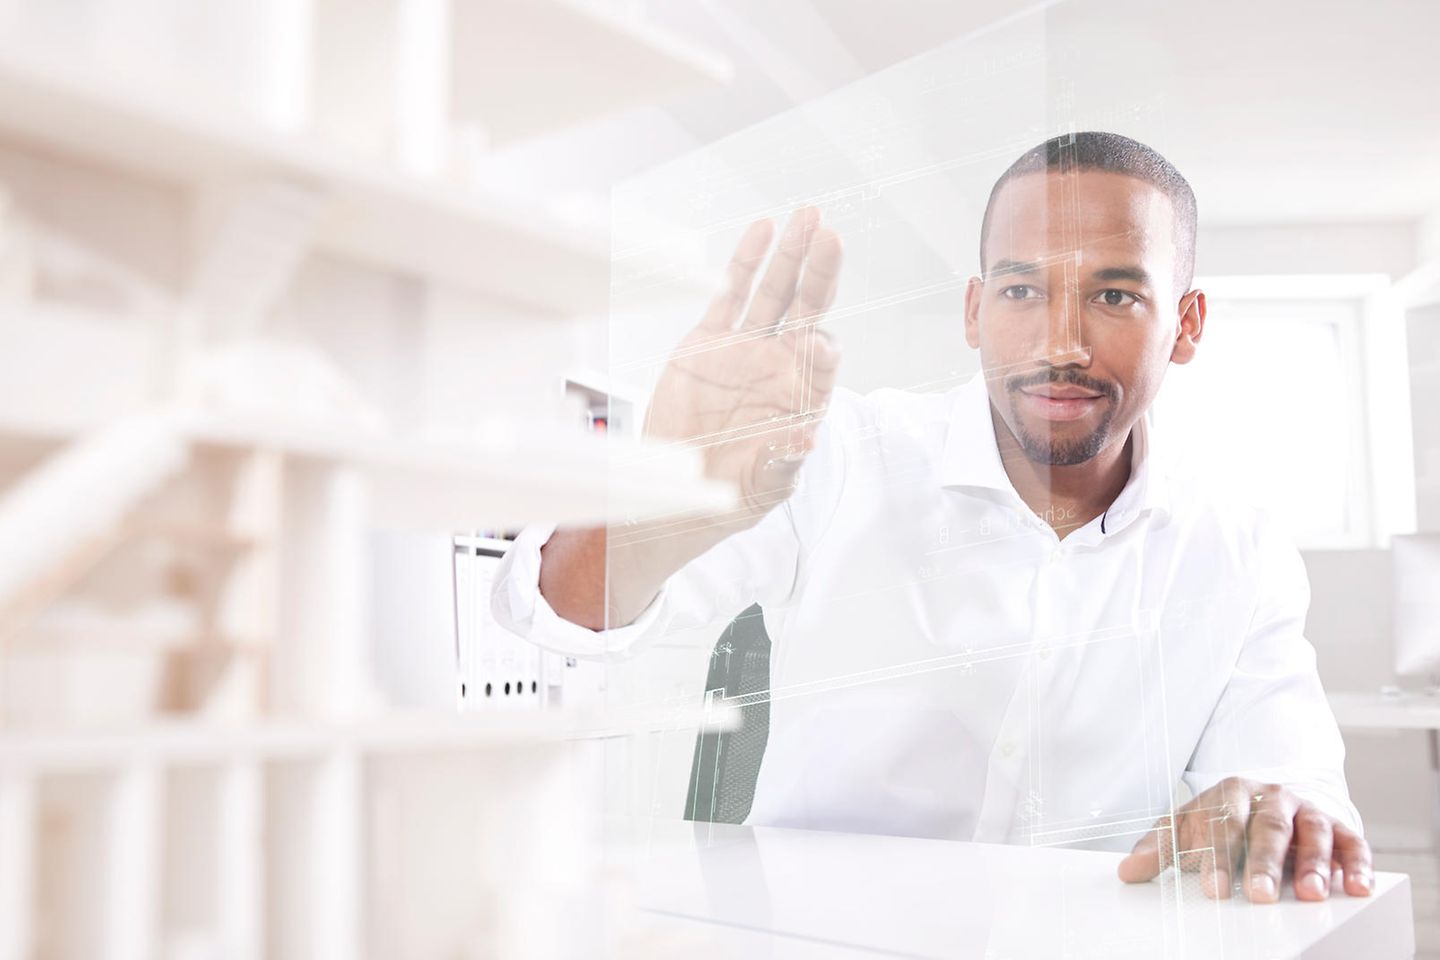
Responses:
[1423,344]
[1229,249]
[1349,624]
[1429,236]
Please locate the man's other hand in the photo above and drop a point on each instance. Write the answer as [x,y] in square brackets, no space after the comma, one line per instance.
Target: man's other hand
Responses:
[1260,831]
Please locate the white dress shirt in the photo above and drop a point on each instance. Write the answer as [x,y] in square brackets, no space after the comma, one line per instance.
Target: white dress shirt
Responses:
[943,665]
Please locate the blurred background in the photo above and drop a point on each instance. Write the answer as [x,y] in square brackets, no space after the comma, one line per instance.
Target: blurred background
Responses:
[305,303]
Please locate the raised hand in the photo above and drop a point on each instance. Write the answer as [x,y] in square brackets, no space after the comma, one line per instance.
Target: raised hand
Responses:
[751,382]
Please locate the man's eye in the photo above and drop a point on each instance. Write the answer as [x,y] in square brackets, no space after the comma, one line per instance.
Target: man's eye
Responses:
[1020,292]
[1116,298]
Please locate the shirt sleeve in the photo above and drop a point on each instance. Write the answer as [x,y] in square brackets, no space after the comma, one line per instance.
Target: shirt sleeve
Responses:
[1272,722]
[754,565]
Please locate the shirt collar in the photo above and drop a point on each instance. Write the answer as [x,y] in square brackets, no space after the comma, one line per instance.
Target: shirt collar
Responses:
[971,458]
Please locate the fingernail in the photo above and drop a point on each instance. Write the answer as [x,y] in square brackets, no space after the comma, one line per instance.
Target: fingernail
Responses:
[1313,884]
[1364,881]
[1262,886]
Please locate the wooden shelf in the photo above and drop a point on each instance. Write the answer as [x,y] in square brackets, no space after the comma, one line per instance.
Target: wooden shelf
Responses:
[286,824]
[198,536]
[574,60]
[371,214]
[504,482]
[180,742]
[25,442]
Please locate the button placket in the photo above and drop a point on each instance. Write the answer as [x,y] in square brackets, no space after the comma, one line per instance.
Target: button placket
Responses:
[1040,677]
[1009,781]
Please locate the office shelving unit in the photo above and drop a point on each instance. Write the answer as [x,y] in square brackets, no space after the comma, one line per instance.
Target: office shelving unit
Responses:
[280,807]
[259,839]
[300,737]
[371,213]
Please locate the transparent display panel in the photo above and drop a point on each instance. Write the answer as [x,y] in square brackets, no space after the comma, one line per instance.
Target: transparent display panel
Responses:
[920,632]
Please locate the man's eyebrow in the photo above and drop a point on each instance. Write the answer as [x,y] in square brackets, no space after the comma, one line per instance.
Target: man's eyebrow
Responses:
[1133,274]
[1012,268]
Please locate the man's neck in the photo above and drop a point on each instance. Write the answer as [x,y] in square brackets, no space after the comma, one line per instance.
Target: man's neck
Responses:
[1068,497]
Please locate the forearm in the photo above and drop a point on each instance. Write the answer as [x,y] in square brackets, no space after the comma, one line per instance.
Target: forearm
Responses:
[600,577]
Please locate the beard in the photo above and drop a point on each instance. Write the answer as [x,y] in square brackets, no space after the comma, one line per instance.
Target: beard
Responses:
[1056,452]
[1067,452]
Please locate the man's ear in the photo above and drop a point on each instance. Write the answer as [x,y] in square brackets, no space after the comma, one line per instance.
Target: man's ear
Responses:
[1190,326]
[973,291]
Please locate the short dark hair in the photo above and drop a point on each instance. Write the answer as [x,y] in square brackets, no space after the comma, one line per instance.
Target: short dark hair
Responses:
[1112,153]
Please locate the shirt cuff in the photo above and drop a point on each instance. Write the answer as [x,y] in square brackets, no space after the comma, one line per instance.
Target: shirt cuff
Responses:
[518,606]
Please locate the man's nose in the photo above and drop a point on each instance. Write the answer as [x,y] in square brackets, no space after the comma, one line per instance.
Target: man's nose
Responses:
[1064,342]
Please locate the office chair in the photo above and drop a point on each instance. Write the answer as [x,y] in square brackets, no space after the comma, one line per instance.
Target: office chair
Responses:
[726,765]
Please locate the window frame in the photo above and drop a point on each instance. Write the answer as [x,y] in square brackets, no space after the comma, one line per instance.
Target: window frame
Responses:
[1346,303]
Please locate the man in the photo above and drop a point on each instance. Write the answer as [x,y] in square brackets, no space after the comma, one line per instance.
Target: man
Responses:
[995,614]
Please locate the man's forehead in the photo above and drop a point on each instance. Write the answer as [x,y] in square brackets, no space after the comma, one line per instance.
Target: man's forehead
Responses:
[1095,214]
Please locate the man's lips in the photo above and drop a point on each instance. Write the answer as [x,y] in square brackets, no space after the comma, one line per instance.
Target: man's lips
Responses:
[1059,402]
[1061,391]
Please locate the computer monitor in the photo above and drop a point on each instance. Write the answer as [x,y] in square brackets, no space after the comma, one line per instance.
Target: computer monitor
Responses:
[1415,564]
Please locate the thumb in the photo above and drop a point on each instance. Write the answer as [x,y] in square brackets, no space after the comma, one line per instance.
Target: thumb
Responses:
[1143,862]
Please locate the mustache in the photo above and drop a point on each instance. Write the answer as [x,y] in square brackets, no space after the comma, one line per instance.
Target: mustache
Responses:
[1061,375]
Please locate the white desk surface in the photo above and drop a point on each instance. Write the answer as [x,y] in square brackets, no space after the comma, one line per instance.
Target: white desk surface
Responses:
[1373,710]
[728,891]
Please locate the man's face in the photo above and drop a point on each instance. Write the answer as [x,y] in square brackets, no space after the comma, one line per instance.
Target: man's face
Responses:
[1079,312]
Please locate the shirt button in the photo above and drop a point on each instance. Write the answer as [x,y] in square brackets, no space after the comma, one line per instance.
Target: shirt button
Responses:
[1055,555]
[1045,651]
[1007,747]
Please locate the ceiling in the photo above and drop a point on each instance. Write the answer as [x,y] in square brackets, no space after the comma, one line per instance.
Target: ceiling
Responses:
[1276,110]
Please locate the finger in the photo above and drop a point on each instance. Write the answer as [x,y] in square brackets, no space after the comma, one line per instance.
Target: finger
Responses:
[1353,854]
[740,272]
[777,288]
[810,437]
[1229,819]
[1143,864]
[817,364]
[820,276]
[818,356]
[1194,846]
[1211,836]
[1214,877]
[1272,827]
[819,406]
[1313,841]
[1227,839]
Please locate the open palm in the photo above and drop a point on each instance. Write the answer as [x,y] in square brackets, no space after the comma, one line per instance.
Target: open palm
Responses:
[751,382]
